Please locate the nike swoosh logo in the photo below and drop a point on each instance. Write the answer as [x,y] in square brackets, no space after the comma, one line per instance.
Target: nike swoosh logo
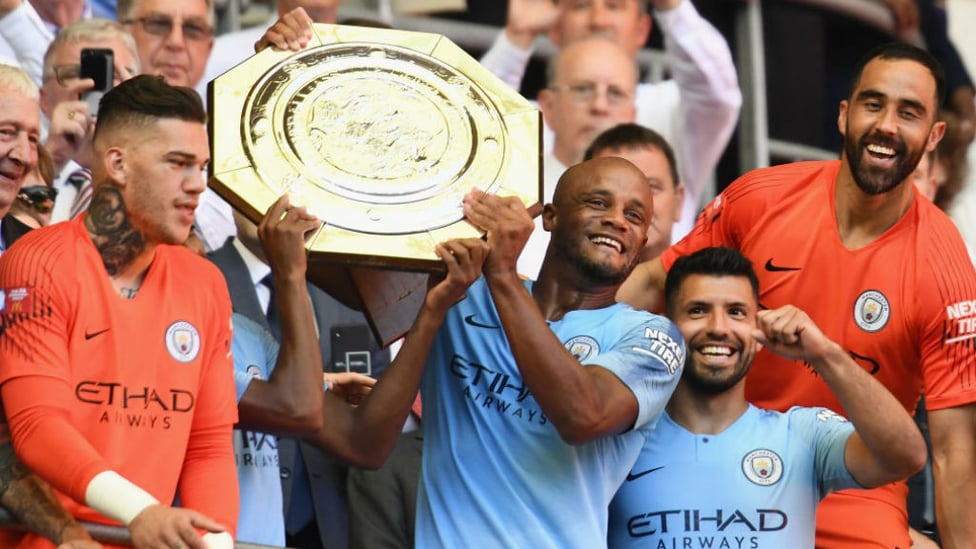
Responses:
[635,476]
[89,335]
[776,268]
[470,320]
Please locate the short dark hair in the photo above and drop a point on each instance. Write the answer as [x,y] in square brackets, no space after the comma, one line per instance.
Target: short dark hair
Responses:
[894,51]
[630,137]
[717,261]
[144,99]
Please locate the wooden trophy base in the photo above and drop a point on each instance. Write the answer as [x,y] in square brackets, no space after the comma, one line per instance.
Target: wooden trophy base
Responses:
[389,299]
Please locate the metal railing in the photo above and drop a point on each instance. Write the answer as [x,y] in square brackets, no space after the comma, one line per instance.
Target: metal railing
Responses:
[756,148]
[115,535]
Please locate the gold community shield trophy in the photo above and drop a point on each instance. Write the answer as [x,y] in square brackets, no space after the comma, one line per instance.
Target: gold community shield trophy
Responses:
[379,133]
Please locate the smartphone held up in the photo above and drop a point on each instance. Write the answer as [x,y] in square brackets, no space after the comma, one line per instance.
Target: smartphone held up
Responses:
[99,65]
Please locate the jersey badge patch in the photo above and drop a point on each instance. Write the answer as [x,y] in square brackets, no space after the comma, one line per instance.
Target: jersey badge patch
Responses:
[583,347]
[182,341]
[871,311]
[15,300]
[763,467]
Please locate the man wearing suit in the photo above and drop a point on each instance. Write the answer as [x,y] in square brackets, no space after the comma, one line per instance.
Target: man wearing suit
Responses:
[313,482]
[383,502]
[11,229]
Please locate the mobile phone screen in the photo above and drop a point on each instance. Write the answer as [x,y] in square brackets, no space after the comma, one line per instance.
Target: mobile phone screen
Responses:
[351,349]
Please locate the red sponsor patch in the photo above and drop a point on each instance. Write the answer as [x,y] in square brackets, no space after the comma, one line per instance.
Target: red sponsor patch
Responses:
[18,300]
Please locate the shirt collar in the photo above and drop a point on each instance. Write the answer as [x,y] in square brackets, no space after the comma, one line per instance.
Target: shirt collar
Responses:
[256,268]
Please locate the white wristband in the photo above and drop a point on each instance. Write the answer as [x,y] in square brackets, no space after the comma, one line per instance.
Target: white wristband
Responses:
[115,497]
[218,540]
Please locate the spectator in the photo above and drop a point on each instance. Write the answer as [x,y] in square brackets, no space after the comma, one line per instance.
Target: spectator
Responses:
[28,26]
[70,122]
[233,48]
[20,125]
[36,197]
[116,347]
[25,496]
[383,502]
[695,112]
[841,227]
[723,457]
[173,37]
[647,150]
[591,88]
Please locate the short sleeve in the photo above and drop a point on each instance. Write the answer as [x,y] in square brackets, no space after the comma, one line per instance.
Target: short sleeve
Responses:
[826,432]
[648,360]
[255,353]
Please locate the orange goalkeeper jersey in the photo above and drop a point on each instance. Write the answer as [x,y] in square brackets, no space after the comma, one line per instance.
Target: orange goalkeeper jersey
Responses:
[142,386]
[904,307]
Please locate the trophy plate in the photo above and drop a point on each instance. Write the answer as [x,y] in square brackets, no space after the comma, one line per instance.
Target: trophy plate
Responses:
[379,133]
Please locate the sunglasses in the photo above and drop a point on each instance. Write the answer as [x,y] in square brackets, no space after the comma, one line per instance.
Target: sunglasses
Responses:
[39,197]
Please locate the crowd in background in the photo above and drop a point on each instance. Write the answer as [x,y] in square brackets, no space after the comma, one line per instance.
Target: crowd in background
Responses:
[165,365]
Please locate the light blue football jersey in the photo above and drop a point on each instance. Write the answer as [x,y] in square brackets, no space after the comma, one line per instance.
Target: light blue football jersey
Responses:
[261,519]
[495,471]
[756,485]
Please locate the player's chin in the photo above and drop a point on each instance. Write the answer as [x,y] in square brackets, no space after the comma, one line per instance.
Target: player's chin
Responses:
[177,234]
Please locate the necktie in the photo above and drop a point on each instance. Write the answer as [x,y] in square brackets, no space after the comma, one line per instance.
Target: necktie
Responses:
[83,180]
[274,320]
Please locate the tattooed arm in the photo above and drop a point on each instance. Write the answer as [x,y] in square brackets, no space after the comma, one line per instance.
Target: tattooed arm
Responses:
[32,501]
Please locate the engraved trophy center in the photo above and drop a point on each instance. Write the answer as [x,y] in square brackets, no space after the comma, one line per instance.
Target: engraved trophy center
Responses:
[393,144]
[400,138]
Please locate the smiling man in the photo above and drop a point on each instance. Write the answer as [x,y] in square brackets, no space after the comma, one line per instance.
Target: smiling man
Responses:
[653,155]
[753,477]
[538,396]
[882,271]
[115,347]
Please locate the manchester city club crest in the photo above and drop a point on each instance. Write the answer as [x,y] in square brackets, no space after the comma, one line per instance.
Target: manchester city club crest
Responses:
[182,341]
[582,347]
[871,311]
[763,467]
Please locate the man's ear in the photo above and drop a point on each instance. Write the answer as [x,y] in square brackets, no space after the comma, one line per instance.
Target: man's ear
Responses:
[842,117]
[555,35]
[548,217]
[545,99]
[935,135]
[641,32]
[114,162]
[679,201]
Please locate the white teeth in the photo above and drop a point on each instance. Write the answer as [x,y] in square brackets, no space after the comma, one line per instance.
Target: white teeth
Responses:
[607,241]
[878,149]
[715,350]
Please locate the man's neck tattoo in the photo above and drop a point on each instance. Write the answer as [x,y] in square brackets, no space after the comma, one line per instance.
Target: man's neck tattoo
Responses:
[116,240]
